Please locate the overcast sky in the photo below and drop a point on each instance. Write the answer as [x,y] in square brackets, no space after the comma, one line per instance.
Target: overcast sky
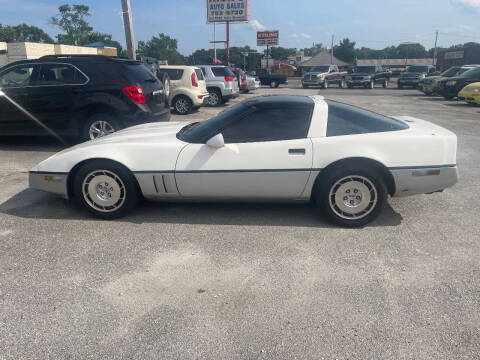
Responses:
[372,23]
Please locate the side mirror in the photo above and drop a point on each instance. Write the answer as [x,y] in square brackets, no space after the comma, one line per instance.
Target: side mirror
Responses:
[216,142]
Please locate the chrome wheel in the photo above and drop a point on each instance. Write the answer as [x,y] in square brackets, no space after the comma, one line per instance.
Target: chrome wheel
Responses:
[213,99]
[103,191]
[182,105]
[353,197]
[100,128]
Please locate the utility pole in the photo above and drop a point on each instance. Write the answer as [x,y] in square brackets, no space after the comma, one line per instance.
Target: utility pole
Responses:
[331,53]
[214,42]
[228,43]
[128,25]
[268,55]
[435,51]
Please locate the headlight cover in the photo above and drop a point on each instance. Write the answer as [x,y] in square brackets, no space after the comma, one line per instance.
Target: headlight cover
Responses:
[477,90]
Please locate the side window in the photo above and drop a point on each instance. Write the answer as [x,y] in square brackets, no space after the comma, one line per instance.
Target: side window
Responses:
[174,74]
[59,74]
[17,77]
[348,120]
[219,71]
[199,74]
[203,71]
[270,124]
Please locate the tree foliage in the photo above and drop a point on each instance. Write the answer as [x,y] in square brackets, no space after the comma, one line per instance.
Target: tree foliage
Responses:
[314,50]
[345,51]
[244,57]
[71,19]
[161,47]
[280,53]
[23,32]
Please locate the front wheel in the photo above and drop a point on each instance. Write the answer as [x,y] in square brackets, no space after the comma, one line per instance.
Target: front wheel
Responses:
[372,84]
[342,84]
[325,84]
[106,189]
[352,197]
[385,84]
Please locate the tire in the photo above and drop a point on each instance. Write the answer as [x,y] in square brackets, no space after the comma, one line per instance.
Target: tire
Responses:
[215,97]
[337,195]
[106,189]
[165,79]
[385,84]
[342,84]
[372,84]
[182,104]
[273,84]
[325,85]
[448,97]
[99,125]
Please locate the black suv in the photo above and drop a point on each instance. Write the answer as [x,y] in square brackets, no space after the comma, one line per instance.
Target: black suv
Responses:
[450,87]
[81,96]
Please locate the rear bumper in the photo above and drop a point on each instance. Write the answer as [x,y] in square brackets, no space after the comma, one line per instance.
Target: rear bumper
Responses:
[55,183]
[415,180]
[141,117]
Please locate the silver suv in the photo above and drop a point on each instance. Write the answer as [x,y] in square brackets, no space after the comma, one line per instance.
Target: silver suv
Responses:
[221,84]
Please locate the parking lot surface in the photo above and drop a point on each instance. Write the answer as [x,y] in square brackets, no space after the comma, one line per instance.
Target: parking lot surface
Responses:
[245,281]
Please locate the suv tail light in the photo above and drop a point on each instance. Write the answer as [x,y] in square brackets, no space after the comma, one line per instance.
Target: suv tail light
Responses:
[229,78]
[135,92]
[194,80]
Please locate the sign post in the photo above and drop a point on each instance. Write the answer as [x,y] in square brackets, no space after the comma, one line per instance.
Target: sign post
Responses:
[227,11]
[267,38]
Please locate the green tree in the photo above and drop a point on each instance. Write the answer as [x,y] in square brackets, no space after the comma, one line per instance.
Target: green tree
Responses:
[162,47]
[24,32]
[71,19]
[345,50]
[314,50]
[281,53]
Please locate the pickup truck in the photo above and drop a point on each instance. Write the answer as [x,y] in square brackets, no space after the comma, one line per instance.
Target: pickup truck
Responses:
[415,74]
[266,77]
[324,75]
[368,76]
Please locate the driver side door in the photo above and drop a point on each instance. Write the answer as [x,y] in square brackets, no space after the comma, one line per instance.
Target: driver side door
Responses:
[266,155]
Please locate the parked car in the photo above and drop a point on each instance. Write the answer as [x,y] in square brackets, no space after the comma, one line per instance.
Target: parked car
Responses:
[221,83]
[449,88]
[470,93]
[414,74]
[368,76]
[153,65]
[348,160]
[323,76]
[427,85]
[78,96]
[266,77]
[188,88]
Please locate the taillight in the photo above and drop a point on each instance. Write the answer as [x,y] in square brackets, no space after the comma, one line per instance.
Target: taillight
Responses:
[194,80]
[244,79]
[229,78]
[135,92]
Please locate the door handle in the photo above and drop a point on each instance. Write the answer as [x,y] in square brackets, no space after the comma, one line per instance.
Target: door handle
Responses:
[296,151]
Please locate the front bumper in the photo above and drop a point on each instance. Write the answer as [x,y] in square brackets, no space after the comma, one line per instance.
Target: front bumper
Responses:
[415,180]
[469,96]
[409,81]
[55,183]
[312,82]
[358,82]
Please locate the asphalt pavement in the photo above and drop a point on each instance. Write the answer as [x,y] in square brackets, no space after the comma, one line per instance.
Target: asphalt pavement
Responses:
[245,281]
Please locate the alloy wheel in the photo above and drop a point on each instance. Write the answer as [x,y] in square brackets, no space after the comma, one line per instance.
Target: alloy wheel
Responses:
[104,191]
[100,128]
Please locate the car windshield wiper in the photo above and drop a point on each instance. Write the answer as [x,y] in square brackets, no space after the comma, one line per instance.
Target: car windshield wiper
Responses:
[187,128]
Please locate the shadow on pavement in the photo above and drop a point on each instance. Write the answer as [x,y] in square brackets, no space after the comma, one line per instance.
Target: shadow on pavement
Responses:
[33,204]
[31,143]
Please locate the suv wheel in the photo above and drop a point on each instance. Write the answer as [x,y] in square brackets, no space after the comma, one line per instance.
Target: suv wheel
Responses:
[325,84]
[99,125]
[273,84]
[182,105]
[215,97]
[352,196]
[372,84]
[385,84]
[342,84]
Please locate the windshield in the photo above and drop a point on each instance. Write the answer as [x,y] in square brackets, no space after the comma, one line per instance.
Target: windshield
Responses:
[320,69]
[450,72]
[365,69]
[199,131]
[418,69]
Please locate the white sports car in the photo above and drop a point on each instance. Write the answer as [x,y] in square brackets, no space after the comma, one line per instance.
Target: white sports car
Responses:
[287,148]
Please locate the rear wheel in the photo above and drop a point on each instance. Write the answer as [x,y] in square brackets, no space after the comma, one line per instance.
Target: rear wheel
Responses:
[99,125]
[385,84]
[273,84]
[342,84]
[182,105]
[351,196]
[325,84]
[214,97]
[371,85]
[106,189]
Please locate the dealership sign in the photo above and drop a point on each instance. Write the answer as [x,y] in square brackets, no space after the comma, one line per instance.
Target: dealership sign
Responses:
[267,38]
[227,10]
[454,55]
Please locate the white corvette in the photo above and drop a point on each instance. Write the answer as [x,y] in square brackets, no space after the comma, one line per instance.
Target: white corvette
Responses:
[287,148]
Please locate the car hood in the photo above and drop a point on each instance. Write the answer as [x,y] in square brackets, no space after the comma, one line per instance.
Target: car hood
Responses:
[146,146]
[472,86]
[410,74]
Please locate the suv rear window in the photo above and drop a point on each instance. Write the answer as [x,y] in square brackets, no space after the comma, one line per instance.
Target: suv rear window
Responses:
[173,74]
[139,72]
[222,71]
[345,119]
[199,74]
